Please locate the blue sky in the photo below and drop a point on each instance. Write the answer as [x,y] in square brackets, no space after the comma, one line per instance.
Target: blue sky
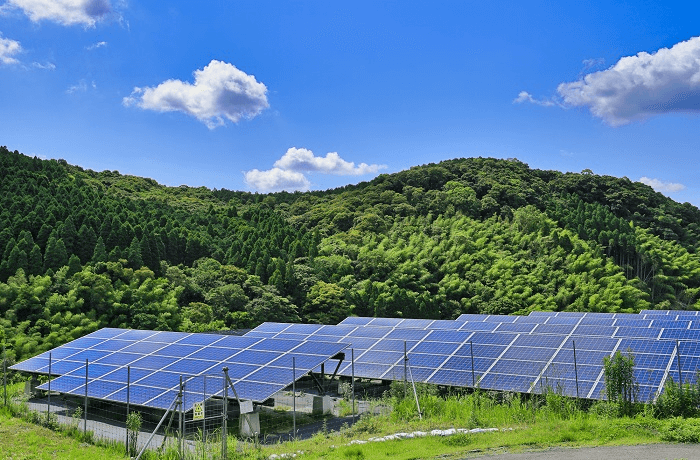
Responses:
[269,95]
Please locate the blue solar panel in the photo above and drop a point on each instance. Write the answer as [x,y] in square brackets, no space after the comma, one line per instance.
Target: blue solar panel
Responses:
[254,357]
[214,353]
[560,329]
[256,391]
[200,339]
[32,364]
[478,326]
[301,361]
[407,334]
[274,375]
[424,360]
[165,400]
[563,320]
[385,322]
[516,327]
[190,366]
[689,348]
[394,345]
[647,346]
[436,348]
[359,343]
[99,388]
[105,333]
[153,362]
[298,337]
[517,367]
[272,327]
[547,341]
[120,375]
[379,357]
[529,353]
[60,352]
[416,323]
[492,338]
[176,350]
[135,335]
[337,331]
[94,370]
[61,367]
[356,320]
[651,361]
[303,328]
[472,317]
[638,332]
[370,332]
[444,324]
[233,341]
[569,371]
[465,363]
[144,347]
[449,336]
[596,321]
[454,378]
[319,348]
[632,322]
[162,379]
[588,331]
[502,382]
[365,370]
[542,313]
[593,343]
[140,394]
[566,355]
[486,351]
[167,337]
[64,383]
[113,345]
[501,319]
[417,374]
[275,345]
[673,324]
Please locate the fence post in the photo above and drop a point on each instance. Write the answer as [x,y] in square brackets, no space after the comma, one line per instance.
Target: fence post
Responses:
[4,373]
[680,374]
[48,404]
[86,396]
[128,398]
[294,397]
[224,430]
[204,408]
[352,364]
[405,372]
[182,421]
[573,342]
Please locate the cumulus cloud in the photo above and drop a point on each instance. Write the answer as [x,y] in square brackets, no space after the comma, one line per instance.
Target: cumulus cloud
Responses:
[288,172]
[94,46]
[220,91]
[45,66]
[638,87]
[276,179]
[8,49]
[65,12]
[304,160]
[524,96]
[663,187]
[81,87]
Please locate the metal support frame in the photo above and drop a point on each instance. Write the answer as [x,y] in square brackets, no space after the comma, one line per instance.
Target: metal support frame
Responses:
[573,343]
[175,403]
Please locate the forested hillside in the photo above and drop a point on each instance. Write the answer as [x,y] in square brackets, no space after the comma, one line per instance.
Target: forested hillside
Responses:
[84,249]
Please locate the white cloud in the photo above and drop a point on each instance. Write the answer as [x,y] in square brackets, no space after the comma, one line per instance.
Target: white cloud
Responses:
[220,91]
[276,179]
[288,172]
[8,49]
[65,12]
[640,86]
[304,160]
[82,86]
[524,96]
[47,66]
[663,187]
[94,46]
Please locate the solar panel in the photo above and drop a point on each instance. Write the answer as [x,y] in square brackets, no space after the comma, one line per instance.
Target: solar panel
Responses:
[157,365]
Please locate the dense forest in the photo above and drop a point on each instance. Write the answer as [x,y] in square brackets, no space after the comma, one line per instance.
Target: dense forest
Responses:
[83,249]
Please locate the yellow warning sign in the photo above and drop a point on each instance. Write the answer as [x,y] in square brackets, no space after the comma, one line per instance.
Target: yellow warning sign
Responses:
[198,411]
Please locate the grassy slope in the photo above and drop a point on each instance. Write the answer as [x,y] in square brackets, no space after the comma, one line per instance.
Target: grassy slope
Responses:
[21,440]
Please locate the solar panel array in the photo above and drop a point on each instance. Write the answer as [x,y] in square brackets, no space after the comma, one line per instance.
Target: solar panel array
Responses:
[258,367]
[513,353]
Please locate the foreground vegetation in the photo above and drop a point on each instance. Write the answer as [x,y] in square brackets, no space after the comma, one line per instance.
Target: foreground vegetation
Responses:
[524,423]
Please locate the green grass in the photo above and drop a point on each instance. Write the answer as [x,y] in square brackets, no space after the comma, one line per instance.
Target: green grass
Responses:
[524,424]
[21,440]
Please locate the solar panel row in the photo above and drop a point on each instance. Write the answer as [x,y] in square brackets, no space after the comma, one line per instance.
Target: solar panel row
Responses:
[258,367]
